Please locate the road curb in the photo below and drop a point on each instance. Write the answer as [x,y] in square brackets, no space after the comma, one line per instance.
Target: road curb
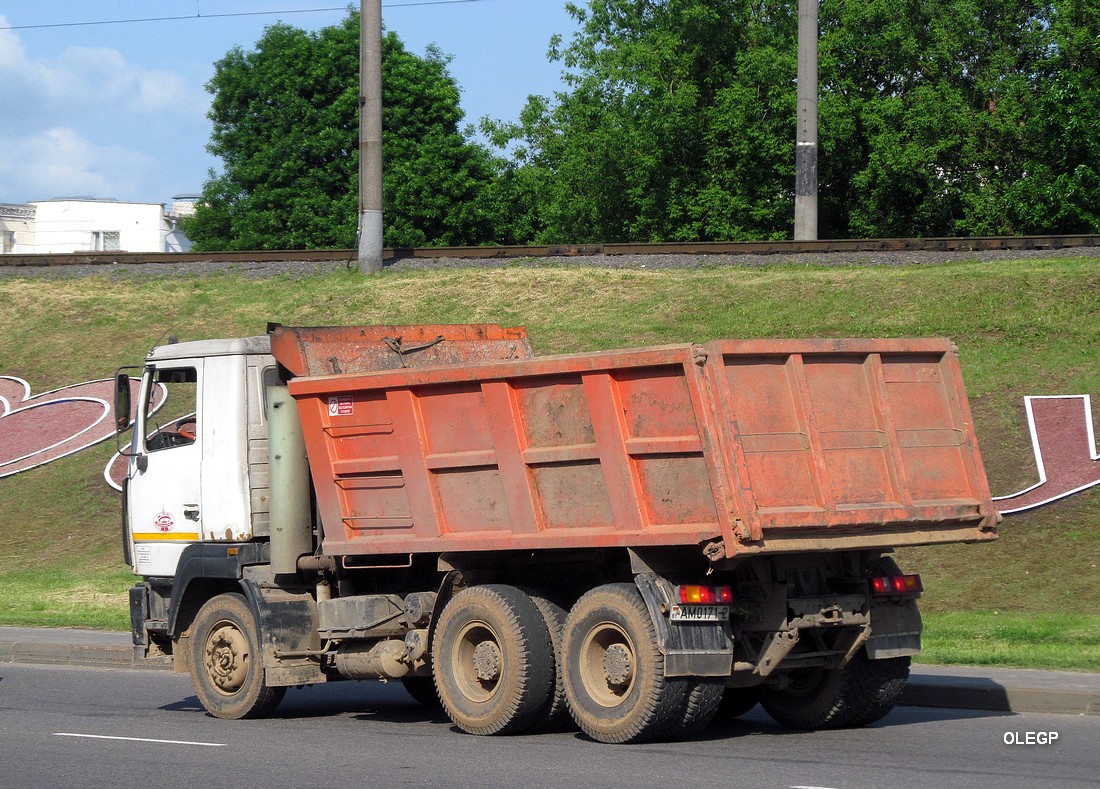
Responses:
[995,690]
[983,693]
[64,648]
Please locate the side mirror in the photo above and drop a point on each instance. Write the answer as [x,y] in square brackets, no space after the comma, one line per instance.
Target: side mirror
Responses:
[122,402]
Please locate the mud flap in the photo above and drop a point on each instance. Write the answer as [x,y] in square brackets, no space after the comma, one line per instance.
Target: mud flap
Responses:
[287,621]
[895,629]
[695,649]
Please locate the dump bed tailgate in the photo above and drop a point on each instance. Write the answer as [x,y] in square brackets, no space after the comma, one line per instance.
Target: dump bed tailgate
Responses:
[848,442]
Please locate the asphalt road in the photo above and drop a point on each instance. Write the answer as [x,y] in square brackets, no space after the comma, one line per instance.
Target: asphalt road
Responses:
[63,726]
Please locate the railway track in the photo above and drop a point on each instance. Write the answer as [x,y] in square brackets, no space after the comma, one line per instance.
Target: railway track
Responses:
[970,244]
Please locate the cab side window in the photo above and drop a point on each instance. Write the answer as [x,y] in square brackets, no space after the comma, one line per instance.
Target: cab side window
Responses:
[172,409]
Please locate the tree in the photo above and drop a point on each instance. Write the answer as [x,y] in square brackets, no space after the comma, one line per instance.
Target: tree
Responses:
[959,117]
[286,128]
[938,117]
[1061,140]
[675,126]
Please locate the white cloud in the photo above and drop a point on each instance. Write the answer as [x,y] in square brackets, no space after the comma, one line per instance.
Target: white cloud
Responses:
[99,81]
[60,162]
[89,121]
[94,82]
[12,51]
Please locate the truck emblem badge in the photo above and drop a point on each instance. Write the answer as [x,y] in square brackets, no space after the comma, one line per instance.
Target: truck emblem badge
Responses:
[164,521]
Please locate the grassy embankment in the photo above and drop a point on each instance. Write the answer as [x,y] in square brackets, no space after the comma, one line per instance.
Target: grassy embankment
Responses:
[1023,327]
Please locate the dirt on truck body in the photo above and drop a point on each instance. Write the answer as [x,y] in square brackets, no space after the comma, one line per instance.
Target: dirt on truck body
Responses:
[638,540]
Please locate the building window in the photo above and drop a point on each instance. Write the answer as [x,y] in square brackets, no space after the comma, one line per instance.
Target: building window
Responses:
[105,241]
[7,241]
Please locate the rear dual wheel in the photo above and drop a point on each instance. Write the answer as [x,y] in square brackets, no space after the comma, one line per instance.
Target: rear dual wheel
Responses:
[493,660]
[555,713]
[736,702]
[858,694]
[613,670]
[701,705]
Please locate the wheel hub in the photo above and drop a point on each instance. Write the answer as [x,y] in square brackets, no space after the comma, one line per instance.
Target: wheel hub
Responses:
[618,666]
[227,658]
[487,661]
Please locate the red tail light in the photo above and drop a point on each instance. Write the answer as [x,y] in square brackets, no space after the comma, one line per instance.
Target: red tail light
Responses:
[705,595]
[896,584]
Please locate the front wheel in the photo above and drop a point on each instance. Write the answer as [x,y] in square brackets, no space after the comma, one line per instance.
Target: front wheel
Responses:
[226,668]
[614,672]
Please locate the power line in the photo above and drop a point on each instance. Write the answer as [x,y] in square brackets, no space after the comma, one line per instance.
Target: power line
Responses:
[222,16]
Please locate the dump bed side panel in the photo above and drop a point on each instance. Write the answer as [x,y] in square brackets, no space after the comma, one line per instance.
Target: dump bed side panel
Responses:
[588,450]
[746,447]
[849,443]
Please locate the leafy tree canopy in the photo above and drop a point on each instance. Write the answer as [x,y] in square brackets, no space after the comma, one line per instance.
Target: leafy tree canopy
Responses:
[938,117]
[675,126]
[959,117]
[286,128]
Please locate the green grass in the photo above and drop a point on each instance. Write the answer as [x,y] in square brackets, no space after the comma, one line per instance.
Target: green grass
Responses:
[1023,327]
[66,595]
[1021,640]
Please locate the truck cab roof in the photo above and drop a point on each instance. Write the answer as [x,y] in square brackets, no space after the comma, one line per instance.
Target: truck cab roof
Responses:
[202,348]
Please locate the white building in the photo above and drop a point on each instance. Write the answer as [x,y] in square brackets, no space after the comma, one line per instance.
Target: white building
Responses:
[84,224]
[16,228]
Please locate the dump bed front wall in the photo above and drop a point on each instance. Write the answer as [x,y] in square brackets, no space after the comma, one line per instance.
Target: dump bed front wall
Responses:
[604,449]
[871,439]
[336,350]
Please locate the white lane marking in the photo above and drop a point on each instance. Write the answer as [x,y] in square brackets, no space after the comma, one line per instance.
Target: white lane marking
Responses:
[138,739]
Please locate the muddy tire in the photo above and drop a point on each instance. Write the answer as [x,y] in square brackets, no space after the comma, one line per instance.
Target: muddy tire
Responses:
[555,716]
[493,662]
[226,667]
[814,699]
[613,671]
[701,704]
[860,693]
[875,687]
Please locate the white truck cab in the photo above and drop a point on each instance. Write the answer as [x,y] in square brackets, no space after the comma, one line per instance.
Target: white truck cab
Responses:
[198,466]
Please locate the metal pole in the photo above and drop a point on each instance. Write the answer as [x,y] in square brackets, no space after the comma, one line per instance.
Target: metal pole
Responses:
[370,136]
[805,157]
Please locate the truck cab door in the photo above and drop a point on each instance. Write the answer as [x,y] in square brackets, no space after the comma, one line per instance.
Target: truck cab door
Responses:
[163,514]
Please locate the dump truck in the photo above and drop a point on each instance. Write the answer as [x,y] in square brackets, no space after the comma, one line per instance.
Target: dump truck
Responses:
[632,541]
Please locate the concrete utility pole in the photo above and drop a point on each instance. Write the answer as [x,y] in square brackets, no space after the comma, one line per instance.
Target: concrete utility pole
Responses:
[370,136]
[805,156]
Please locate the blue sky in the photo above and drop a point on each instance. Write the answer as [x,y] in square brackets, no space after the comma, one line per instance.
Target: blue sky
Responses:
[119,110]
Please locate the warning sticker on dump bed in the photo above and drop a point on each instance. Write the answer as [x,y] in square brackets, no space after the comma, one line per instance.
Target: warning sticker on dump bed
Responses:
[340,406]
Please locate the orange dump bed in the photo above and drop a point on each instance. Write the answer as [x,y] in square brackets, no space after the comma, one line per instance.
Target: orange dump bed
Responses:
[736,446]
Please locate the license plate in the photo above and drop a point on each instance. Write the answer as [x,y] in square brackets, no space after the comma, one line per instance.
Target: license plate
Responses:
[699,613]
